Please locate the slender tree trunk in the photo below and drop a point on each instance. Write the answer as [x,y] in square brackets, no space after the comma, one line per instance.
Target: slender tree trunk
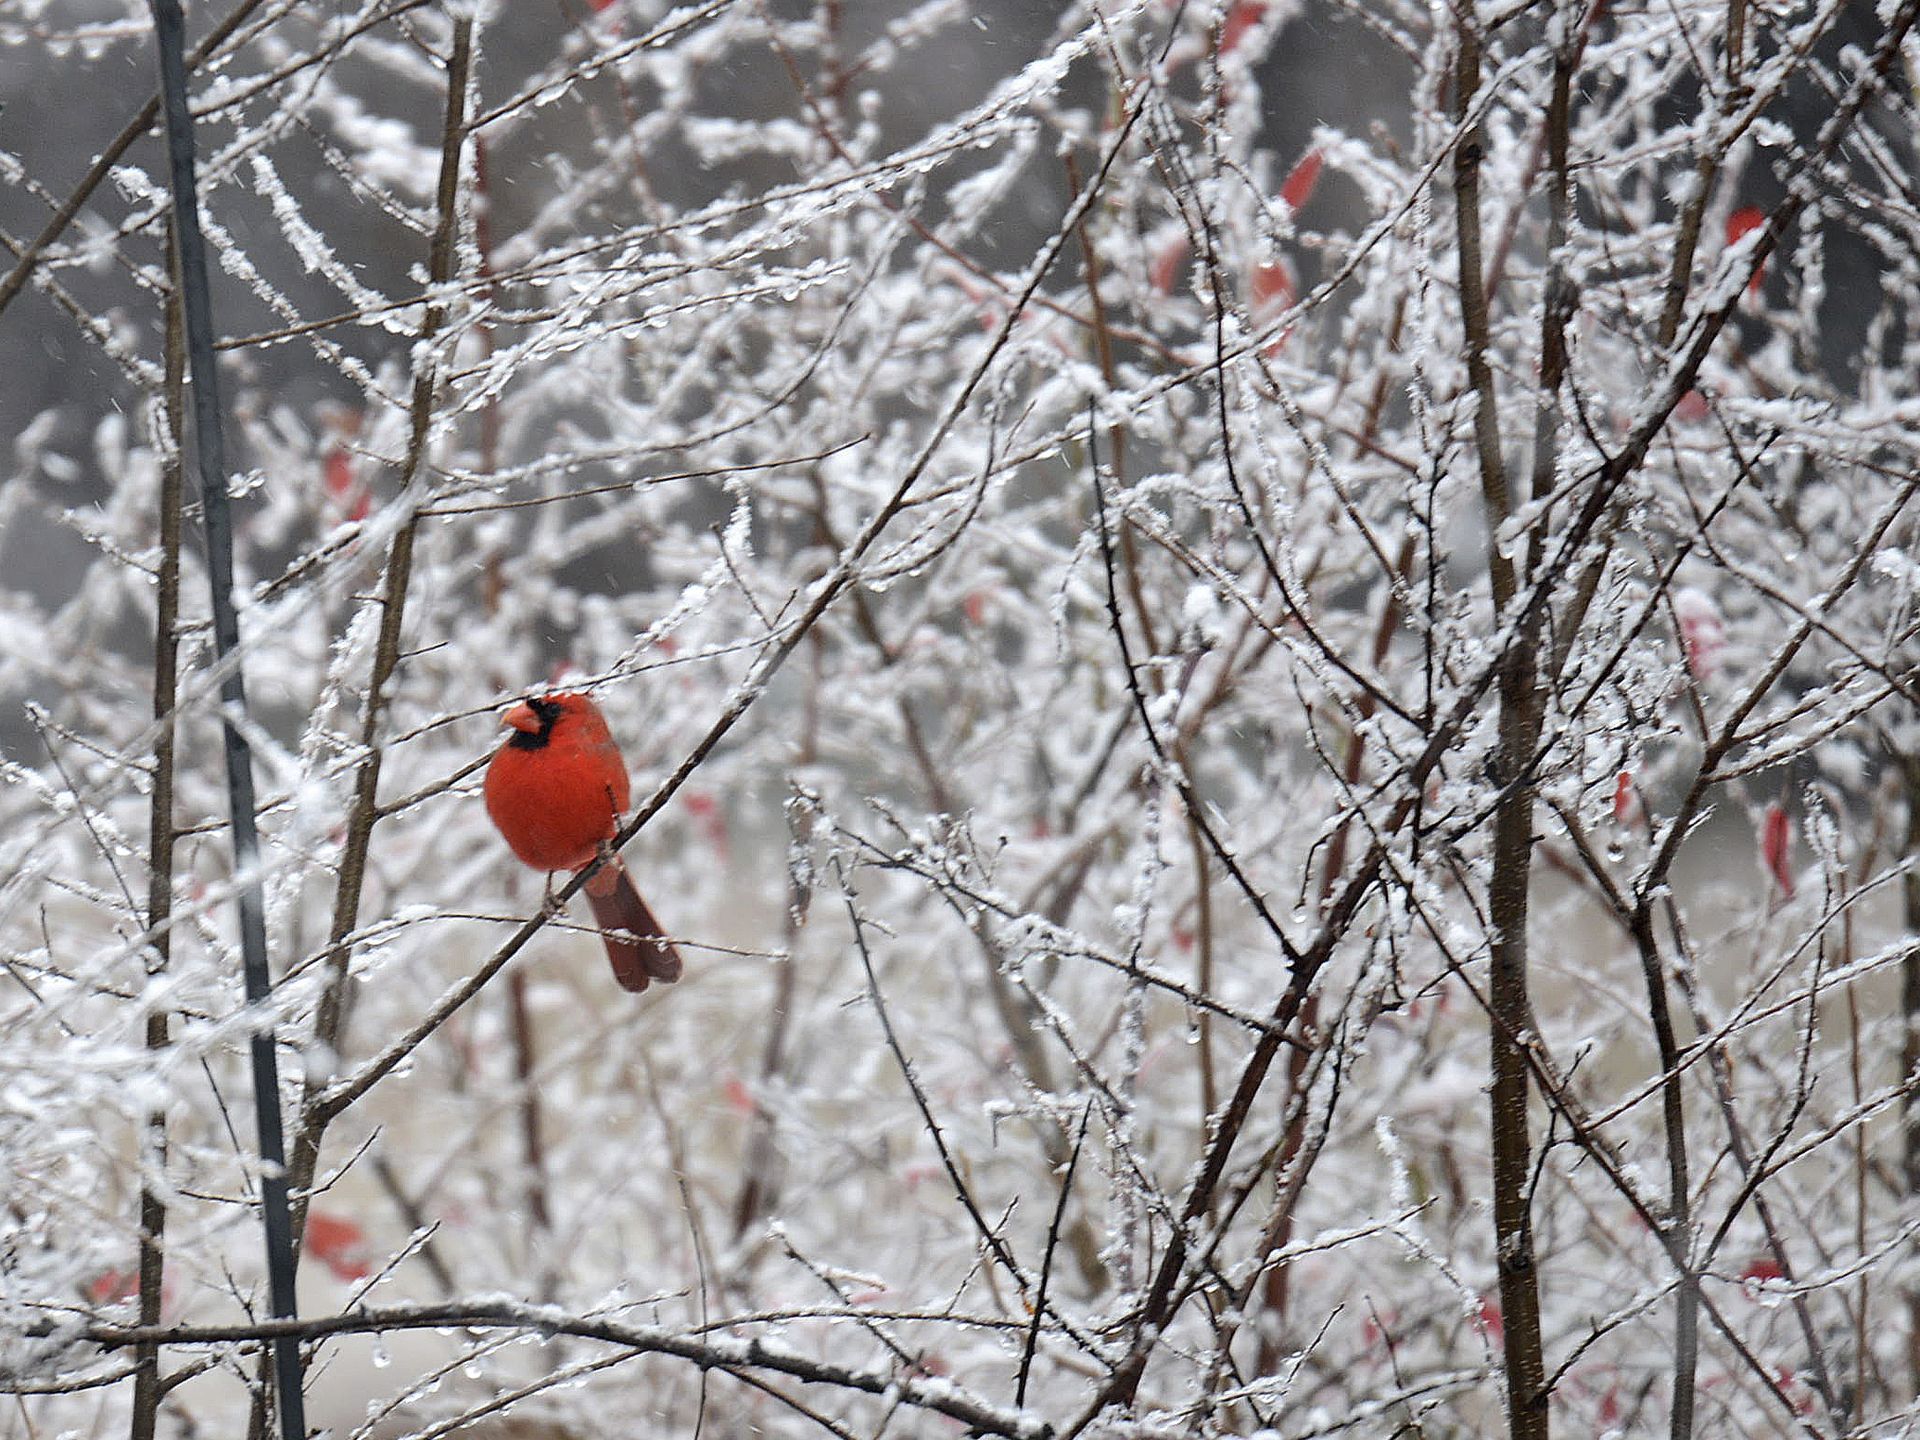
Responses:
[166,655]
[1522,705]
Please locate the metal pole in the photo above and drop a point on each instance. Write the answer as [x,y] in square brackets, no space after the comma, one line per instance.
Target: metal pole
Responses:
[210,443]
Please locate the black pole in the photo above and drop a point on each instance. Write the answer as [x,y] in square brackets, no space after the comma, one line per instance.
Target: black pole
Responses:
[211,445]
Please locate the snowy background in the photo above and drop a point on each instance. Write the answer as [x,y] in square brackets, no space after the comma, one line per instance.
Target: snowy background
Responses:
[1268,649]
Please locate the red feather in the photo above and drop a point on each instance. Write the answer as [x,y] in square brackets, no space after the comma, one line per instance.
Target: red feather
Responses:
[619,911]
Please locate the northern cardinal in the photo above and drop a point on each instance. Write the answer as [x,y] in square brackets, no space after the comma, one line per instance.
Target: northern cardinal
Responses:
[555,791]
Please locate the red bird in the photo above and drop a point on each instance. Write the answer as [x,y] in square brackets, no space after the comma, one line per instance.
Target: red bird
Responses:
[555,791]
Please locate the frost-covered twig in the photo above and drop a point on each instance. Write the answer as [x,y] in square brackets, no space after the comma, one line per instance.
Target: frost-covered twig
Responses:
[921,1392]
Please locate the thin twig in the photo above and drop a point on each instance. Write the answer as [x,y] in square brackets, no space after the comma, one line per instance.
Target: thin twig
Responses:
[1046,1259]
[989,1234]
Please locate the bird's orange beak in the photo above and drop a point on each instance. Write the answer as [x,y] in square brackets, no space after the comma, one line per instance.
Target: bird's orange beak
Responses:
[522,718]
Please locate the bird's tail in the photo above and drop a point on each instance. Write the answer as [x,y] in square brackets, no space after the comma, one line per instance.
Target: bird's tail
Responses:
[638,948]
